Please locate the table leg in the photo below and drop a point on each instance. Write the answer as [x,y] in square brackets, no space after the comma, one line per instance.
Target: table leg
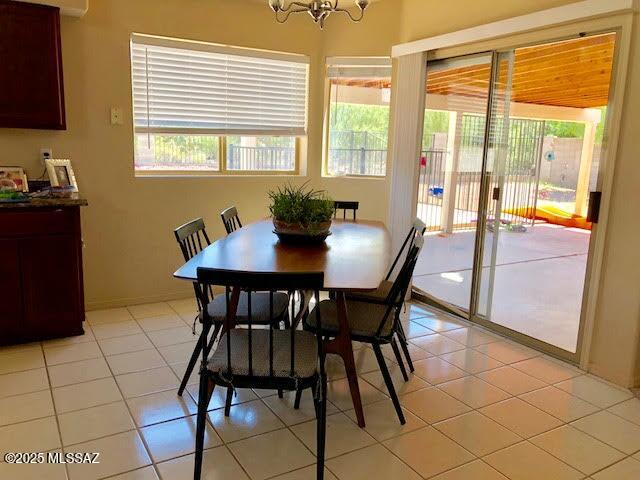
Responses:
[341,345]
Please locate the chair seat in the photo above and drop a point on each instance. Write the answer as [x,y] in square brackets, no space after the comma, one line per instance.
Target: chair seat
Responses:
[260,314]
[378,295]
[364,318]
[305,353]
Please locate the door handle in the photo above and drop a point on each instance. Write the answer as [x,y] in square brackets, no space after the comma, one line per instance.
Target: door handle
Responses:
[593,211]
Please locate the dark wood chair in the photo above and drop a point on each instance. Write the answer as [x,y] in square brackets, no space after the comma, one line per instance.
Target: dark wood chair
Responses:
[192,238]
[417,229]
[230,219]
[370,322]
[261,358]
[345,206]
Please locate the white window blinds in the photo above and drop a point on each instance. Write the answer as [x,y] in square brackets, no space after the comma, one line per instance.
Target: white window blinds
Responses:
[192,87]
[359,67]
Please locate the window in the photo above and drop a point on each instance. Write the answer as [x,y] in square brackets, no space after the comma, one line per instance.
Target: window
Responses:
[200,107]
[358,121]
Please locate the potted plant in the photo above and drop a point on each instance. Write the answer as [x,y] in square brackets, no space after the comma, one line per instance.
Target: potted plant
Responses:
[300,213]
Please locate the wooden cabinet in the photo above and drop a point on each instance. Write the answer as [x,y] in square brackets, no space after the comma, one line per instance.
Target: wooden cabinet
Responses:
[31,85]
[41,274]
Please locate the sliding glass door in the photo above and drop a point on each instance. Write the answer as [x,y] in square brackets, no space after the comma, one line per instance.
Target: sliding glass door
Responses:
[510,197]
[450,174]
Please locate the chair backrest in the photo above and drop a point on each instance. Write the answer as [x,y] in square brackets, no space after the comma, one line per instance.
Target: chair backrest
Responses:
[230,219]
[398,291]
[249,282]
[192,238]
[417,227]
[345,205]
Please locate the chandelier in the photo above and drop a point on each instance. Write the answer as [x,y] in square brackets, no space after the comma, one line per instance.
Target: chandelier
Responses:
[319,10]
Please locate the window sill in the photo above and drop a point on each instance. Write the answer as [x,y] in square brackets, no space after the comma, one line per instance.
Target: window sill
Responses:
[354,177]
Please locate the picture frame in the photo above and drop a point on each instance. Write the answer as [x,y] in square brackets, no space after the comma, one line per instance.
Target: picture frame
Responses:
[61,173]
[14,175]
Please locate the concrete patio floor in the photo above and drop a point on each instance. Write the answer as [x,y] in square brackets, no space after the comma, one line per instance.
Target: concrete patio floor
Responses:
[538,285]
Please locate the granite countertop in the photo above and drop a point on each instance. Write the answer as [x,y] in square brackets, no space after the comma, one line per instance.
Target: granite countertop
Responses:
[73,201]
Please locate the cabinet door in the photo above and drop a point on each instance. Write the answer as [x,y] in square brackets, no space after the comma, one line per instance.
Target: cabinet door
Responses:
[11,304]
[31,85]
[52,285]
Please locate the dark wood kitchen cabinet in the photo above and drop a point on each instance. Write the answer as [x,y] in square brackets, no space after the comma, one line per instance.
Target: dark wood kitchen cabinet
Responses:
[31,84]
[40,273]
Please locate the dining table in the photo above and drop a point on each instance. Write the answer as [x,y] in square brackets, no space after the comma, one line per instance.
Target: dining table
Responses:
[354,258]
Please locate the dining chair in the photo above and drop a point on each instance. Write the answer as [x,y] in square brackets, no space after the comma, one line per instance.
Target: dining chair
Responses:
[230,219]
[192,238]
[417,229]
[373,323]
[263,358]
[345,206]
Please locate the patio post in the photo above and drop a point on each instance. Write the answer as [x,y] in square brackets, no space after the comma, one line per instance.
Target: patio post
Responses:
[452,165]
[584,174]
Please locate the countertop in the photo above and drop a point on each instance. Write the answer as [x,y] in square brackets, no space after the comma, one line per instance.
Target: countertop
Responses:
[43,202]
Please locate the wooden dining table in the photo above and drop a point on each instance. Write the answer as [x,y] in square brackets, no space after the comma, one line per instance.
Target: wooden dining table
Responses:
[354,258]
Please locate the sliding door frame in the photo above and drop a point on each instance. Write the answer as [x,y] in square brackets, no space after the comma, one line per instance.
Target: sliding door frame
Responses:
[621,24]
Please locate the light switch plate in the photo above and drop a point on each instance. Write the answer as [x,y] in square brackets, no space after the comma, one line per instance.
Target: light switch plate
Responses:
[116,116]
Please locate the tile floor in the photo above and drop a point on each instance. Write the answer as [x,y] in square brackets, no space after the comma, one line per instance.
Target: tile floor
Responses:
[478,407]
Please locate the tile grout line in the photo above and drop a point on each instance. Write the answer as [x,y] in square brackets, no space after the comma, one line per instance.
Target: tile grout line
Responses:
[55,409]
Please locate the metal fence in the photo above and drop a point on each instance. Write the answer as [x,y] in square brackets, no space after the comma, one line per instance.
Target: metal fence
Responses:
[518,181]
[357,153]
[176,152]
[261,158]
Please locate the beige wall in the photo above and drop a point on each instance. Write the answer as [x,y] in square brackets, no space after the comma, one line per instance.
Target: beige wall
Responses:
[130,251]
[614,350]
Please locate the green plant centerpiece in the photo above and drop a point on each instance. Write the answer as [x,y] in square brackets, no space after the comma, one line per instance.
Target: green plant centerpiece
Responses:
[301,214]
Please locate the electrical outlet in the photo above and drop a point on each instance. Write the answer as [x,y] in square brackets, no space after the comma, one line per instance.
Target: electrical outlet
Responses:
[116,116]
[45,153]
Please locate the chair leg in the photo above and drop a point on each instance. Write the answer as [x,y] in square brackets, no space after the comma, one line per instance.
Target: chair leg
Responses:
[389,382]
[214,336]
[193,360]
[203,400]
[316,399]
[396,352]
[296,404]
[405,349]
[321,428]
[227,403]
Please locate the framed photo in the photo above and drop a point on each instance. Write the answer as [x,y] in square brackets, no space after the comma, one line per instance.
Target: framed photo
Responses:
[61,173]
[13,177]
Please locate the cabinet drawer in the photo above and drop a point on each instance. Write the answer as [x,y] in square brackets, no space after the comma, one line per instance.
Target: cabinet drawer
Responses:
[45,221]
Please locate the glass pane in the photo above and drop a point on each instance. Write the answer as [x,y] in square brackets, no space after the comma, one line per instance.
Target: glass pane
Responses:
[545,143]
[358,126]
[450,174]
[261,153]
[176,152]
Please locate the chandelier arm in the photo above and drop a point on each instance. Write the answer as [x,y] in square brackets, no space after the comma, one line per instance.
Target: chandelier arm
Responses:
[288,13]
[294,4]
[353,19]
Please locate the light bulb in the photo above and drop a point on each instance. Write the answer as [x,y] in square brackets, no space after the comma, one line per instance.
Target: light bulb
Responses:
[276,5]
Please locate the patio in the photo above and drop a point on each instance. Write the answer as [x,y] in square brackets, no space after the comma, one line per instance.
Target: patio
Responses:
[524,298]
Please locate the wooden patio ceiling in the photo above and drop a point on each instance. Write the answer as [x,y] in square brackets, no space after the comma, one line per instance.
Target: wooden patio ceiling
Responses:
[572,73]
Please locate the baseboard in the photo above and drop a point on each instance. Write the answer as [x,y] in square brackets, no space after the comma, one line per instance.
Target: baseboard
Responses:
[123,302]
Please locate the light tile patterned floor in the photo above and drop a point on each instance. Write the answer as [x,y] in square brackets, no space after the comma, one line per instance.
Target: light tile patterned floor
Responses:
[478,407]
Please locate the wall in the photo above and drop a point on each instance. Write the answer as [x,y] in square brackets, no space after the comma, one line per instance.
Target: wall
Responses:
[614,349]
[130,252]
